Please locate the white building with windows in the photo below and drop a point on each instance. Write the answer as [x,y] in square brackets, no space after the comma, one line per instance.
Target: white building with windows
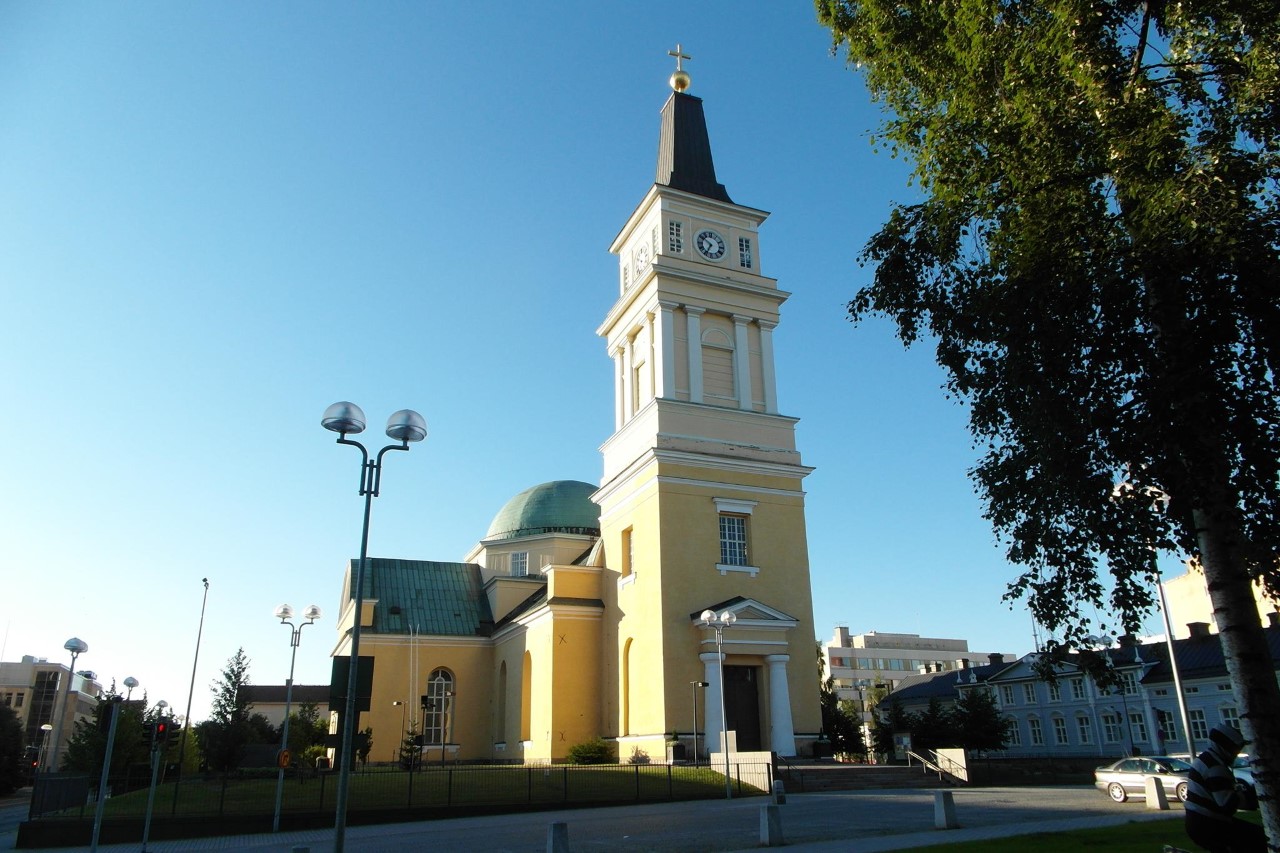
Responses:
[1075,716]
[861,661]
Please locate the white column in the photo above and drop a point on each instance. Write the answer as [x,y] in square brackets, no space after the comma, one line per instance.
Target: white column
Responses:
[694,316]
[782,735]
[711,709]
[742,360]
[620,378]
[766,366]
[628,394]
[664,352]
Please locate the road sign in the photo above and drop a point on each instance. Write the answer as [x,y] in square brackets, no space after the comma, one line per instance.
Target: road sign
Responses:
[283,759]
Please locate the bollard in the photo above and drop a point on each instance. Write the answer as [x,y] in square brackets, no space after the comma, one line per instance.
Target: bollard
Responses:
[779,793]
[771,827]
[1156,797]
[944,810]
[558,838]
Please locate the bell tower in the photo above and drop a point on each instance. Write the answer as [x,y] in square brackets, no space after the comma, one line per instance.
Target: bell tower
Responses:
[701,501]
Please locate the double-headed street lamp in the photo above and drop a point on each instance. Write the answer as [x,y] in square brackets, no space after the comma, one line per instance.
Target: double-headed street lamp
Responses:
[719,623]
[284,613]
[77,647]
[403,426]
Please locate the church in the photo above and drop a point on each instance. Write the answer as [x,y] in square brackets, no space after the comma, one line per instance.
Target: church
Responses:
[579,613]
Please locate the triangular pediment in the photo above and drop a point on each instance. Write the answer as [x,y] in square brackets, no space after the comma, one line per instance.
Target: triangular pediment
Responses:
[750,613]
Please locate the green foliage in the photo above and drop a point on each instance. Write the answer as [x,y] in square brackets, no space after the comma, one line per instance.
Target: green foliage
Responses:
[223,737]
[410,751]
[11,752]
[88,744]
[979,724]
[839,719]
[365,745]
[594,751]
[306,728]
[1095,257]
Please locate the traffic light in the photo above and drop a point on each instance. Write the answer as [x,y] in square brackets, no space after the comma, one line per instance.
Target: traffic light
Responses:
[161,732]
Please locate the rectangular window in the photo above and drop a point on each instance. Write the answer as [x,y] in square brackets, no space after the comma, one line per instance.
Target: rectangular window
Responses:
[1037,734]
[1199,727]
[1055,692]
[1111,728]
[1084,726]
[1077,688]
[1015,733]
[733,540]
[1006,694]
[1138,725]
[1224,686]
[1167,725]
[1231,717]
[1059,730]
[628,552]
[1128,684]
[1029,693]
[17,700]
[520,564]
[744,253]
[675,237]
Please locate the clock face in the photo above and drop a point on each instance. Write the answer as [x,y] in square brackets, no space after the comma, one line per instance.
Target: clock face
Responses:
[642,258]
[710,245]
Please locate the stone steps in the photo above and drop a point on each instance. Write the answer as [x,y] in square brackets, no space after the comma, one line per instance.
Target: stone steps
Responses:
[802,778]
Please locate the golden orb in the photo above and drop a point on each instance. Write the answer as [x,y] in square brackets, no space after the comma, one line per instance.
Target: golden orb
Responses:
[680,80]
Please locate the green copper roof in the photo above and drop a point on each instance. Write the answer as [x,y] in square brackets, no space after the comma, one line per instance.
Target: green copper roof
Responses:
[561,506]
[427,597]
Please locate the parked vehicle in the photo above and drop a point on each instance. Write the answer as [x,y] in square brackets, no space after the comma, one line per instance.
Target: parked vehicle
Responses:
[1242,769]
[1127,777]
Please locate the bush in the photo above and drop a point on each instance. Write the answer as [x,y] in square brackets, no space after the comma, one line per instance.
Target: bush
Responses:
[594,751]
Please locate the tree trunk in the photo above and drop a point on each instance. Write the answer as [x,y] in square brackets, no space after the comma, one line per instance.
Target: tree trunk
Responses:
[1248,659]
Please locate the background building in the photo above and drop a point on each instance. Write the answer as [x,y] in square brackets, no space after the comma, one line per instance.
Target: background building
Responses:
[858,662]
[1188,600]
[36,689]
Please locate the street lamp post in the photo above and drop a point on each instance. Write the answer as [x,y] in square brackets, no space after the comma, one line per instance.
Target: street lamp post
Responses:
[77,647]
[403,426]
[191,691]
[718,624]
[284,613]
[695,685]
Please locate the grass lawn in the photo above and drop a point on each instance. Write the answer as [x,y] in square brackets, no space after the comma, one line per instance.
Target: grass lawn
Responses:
[389,789]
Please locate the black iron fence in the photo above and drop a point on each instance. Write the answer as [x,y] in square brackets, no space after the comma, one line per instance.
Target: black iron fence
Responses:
[249,795]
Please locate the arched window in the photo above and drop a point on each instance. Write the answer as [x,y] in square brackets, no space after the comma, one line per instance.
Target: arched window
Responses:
[624,711]
[439,710]
[526,698]
[501,728]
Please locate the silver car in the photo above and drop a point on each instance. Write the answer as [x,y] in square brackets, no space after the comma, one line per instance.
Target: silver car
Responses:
[1127,777]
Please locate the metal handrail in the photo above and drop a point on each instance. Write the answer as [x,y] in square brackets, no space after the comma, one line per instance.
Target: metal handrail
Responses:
[960,772]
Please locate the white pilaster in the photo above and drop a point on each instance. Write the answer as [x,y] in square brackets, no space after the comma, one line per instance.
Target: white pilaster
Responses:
[664,351]
[620,390]
[742,361]
[694,316]
[766,366]
[628,379]
[782,735]
[711,712]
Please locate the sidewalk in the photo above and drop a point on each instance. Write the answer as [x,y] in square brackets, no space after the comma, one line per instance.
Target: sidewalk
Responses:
[862,821]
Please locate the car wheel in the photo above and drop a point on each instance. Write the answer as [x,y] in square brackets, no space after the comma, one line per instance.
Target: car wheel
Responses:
[1116,792]
[1181,791]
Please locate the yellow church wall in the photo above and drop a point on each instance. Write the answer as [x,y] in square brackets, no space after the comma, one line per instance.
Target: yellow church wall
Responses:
[464,657]
[574,684]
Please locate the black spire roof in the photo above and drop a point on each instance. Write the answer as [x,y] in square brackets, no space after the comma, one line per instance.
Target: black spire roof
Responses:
[684,150]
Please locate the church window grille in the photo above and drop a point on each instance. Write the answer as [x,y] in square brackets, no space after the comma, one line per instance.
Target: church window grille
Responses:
[438,710]
[733,540]
[744,253]
[520,564]
[675,237]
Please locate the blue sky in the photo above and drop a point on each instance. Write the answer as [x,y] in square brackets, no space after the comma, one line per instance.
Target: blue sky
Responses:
[216,219]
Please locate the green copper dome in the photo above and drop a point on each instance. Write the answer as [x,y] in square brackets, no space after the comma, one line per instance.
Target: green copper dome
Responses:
[561,506]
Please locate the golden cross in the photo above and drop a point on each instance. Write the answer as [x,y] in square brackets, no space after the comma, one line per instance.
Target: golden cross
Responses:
[680,55]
